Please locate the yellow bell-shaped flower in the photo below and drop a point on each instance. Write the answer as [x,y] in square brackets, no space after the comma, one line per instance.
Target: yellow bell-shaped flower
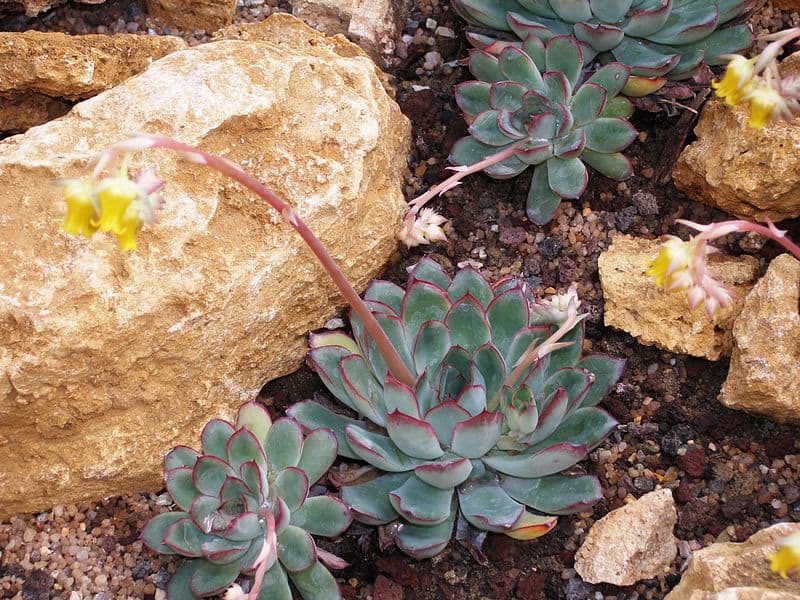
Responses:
[738,76]
[131,223]
[80,207]
[115,195]
[766,104]
[787,559]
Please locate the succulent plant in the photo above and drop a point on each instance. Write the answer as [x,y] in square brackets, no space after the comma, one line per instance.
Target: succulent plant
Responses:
[502,403]
[530,108]
[657,39]
[244,507]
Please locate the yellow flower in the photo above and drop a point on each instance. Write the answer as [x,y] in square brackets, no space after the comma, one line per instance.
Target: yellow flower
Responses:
[130,223]
[675,258]
[786,559]
[78,194]
[738,76]
[115,195]
[766,104]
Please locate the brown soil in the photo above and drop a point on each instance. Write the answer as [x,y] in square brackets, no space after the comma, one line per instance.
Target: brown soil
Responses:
[731,474]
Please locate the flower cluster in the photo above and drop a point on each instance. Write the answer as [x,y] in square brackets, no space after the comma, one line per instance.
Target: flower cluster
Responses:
[757,83]
[115,204]
[422,227]
[787,558]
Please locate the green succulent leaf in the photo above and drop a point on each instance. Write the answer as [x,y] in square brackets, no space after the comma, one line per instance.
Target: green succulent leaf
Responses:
[485,67]
[612,78]
[245,527]
[586,426]
[446,473]
[180,486]
[472,98]
[413,436]
[423,302]
[508,313]
[322,515]
[379,450]
[444,416]
[178,587]
[609,135]
[567,177]
[369,501]
[291,485]
[555,494]
[607,370]
[284,444]
[486,130]
[563,54]
[156,530]
[432,343]
[615,165]
[619,108]
[476,436]
[488,507]
[363,389]
[420,503]
[243,446]
[429,270]
[221,551]
[425,541]
[214,438]
[275,585]
[516,65]
[542,201]
[467,323]
[211,579]
[319,452]
[296,549]
[209,474]
[180,456]
[469,281]
[316,583]
[537,462]
[588,103]
[254,417]
[314,416]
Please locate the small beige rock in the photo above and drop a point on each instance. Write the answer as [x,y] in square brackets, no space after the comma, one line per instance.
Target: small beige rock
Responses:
[190,15]
[630,543]
[633,303]
[730,565]
[109,359]
[751,173]
[765,363]
[75,67]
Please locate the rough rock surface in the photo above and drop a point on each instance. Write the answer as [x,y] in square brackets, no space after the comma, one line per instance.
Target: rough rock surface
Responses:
[23,111]
[634,304]
[372,24]
[190,15]
[729,565]
[631,543]
[109,359]
[742,593]
[765,363]
[751,173]
[31,8]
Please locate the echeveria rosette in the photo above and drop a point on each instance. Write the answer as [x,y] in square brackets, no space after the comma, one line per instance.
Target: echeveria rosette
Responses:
[532,106]
[465,438]
[657,39]
[243,507]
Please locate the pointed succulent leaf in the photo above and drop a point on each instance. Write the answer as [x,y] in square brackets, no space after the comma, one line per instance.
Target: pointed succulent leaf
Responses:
[588,103]
[156,530]
[531,463]
[220,551]
[527,338]
[531,526]
[325,362]
[570,145]
[476,436]
[180,456]
[322,515]
[611,77]
[487,12]
[255,417]
[472,98]
[256,480]
[425,541]
[284,444]
[432,343]
[431,271]
[610,12]
[275,585]
[506,168]
[567,177]
[379,450]
[542,202]
[539,150]
[649,19]
[486,130]
[319,452]
[470,281]
[568,355]
[564,119]
[644,59]
[316,583]
[420,503]
[472,399]
[575,381]
[369,501]
[180,486]
[446,473]
[291,485]
[485,67]
[563,54]
[687,24]
[423,302]
[313,416]
[245,527]
[491,365]
[467,323]
[724,41]
[488,507]
[335,338]
[392,326]
[211,579]
[386,292]
[178,587]
[555,494]
[243,446]
[618,107]
[209,473]
[638,86]
[510,128]
[363,388]
[614,165]
[586,426]
[468,151]
[413,436]
[515,65]
[214,437]
[534,103]
[607,370]
[572,11]
[609,135]
[443,418]
[506,95]
[204,513]
[296,549]
[532,45]
[508,313]
[556,87]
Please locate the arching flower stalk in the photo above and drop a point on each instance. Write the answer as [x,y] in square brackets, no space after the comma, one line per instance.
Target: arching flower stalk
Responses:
[681,265]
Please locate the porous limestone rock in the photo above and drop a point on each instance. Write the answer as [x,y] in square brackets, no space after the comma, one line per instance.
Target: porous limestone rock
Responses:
[727,565]
[742,593]
[190,15]
[633,302]
[765,363]
[630,543]
[31,8]
[42,73]
[751,173]
[108,359]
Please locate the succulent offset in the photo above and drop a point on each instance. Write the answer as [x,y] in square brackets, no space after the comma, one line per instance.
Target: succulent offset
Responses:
[244,507]
[531,108]
[502,403]
[657,39]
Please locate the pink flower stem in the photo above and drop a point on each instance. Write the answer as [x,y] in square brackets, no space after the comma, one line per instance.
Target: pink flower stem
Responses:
[460,173]
[396,365]
[270,549]
[717,230]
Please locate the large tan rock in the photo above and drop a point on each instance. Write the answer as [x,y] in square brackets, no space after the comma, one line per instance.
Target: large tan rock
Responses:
[109,359]
[630,543]
[190,15]
[729,565]
[742,593]
[656,317]
[31,8]
[19,112]
[765,363]
[751,173]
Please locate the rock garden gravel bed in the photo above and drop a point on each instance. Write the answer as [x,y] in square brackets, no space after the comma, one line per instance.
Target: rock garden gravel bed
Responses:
[731,474]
